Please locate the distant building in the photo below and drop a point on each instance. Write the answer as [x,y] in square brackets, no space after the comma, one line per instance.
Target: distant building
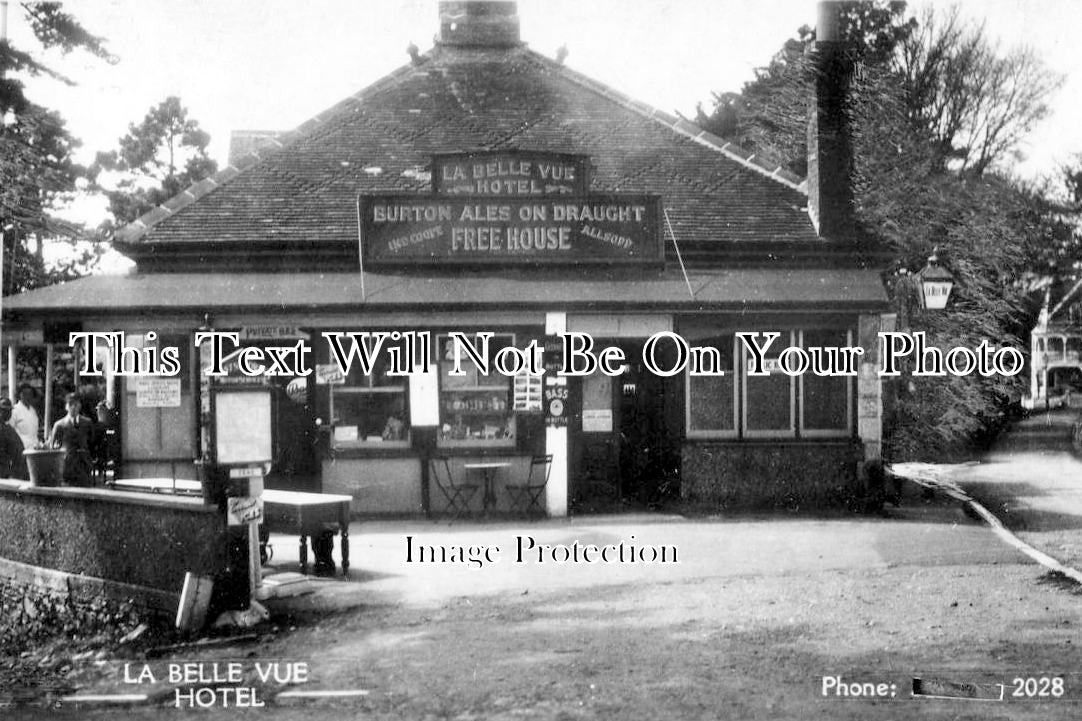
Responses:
[1056,349]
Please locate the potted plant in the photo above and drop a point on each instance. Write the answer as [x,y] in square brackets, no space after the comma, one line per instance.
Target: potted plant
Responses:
[45,465]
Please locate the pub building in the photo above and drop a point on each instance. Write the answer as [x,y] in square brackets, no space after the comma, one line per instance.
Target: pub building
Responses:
[483,188]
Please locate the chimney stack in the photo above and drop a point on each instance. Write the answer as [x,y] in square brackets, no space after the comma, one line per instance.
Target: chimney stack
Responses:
[830,145]
[479,23]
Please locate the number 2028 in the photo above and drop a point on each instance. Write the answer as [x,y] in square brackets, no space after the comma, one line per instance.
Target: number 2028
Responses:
[1041,687]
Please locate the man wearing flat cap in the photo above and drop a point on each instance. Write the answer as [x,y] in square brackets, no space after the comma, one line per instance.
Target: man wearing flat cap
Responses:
[12,463]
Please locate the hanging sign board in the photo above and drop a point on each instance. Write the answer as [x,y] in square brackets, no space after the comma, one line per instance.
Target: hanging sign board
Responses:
[554,359]
[424,398]
[604,229]
[556,410]
[509,173]
[157,393]
[233,375]
[272,332]
[329,374]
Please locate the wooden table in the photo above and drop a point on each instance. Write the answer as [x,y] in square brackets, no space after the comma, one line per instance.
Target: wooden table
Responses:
[488,471]
[307,515]
[302,514]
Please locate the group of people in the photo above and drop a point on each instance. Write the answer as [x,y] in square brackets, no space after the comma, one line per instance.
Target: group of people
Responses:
[77,435]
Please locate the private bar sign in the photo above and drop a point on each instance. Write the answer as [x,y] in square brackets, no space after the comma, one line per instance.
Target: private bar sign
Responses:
[603,228]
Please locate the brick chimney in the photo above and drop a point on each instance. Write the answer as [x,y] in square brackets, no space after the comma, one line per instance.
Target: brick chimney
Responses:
[479,23]
[830,145]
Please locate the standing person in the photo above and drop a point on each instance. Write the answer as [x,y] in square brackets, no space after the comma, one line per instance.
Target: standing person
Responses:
[72,433]
[12,462]
[24,417]
[103,440]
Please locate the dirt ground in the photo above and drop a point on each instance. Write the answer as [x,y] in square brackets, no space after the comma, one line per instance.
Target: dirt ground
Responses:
[744,646]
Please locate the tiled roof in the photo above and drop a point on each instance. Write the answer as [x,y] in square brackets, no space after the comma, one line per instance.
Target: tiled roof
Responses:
[458,99]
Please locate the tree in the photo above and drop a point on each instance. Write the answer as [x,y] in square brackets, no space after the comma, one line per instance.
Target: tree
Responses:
[977,103]
[1072,179]
[37,171]
[926,145]
[157,159]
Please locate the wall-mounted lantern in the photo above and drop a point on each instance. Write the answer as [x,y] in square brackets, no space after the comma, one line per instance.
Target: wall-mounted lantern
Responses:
[936,283]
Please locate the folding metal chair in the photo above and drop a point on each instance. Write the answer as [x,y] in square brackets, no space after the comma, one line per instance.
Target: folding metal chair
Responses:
[458,495]
[527,497]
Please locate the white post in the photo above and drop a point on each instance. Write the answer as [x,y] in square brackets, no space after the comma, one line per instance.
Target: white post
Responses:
[11,373]
[255,563]
[870,388]
[556,444]
[48,389]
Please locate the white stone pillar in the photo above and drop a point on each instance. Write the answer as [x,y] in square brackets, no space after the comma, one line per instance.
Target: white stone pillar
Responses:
[556,439]
[13,392]
[48,410]
[870,386]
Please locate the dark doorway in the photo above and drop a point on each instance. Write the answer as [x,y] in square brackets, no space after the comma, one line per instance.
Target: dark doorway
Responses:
[625,453]
[296,464]
[644,435]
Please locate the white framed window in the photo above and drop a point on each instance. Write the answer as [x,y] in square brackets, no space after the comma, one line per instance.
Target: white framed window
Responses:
[769,408]
[826,402]
[710,403]
[475,409]
[740,405]
[371,411]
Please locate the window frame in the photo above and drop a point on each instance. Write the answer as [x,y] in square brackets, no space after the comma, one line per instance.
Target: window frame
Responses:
[502,383]
[369,388]
[797,430]
[708,433]
[760,433]
[804,431]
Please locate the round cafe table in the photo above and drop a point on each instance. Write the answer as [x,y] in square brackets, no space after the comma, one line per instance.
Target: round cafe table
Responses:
[488,473]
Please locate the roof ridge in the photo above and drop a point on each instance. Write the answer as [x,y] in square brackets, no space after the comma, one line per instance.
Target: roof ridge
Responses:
[136,229]
[682,126]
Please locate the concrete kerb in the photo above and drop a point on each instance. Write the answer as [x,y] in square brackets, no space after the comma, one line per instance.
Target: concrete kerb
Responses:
[932,477]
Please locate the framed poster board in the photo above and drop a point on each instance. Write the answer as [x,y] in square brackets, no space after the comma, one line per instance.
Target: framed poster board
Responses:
[424,397]
[242,426]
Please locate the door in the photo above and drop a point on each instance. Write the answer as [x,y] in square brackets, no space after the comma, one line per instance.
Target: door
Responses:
[596,476]
[646,446]
[625,453]
[296,464]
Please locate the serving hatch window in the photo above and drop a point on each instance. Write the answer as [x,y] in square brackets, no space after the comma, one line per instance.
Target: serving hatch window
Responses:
[370,409]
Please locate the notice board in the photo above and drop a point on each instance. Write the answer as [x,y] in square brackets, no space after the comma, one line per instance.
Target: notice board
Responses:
[242,426]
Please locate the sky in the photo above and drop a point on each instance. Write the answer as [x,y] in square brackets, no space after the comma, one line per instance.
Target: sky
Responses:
[271,64]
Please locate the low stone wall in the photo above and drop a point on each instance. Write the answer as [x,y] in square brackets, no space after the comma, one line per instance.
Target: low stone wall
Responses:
[87,542]
[772,475]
